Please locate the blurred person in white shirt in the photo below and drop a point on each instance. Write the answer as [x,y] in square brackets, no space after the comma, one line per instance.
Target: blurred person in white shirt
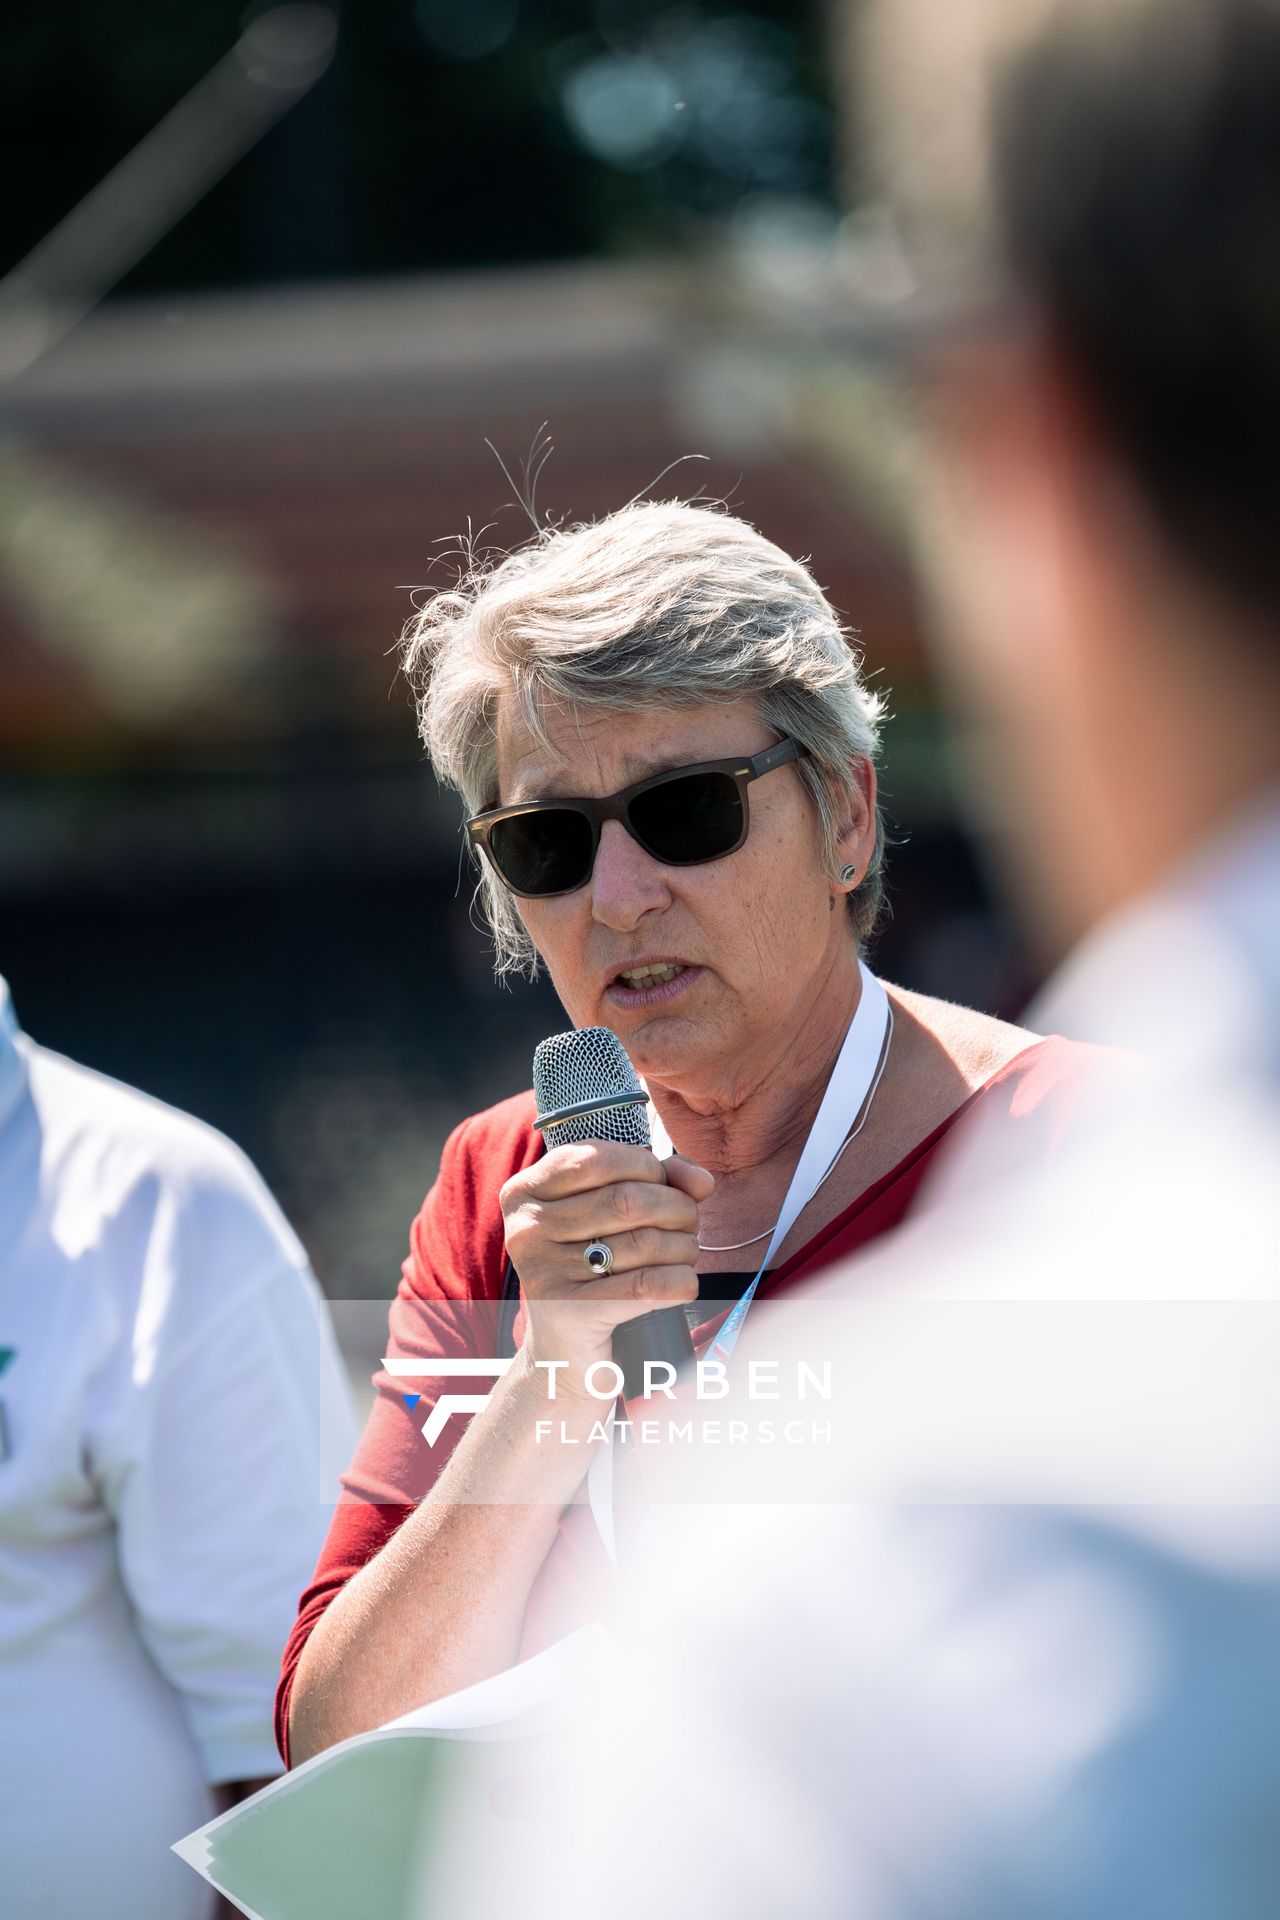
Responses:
[173,1418]
[1010,1650]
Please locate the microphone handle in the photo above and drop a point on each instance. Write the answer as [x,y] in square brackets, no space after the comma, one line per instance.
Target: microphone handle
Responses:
[657,1336]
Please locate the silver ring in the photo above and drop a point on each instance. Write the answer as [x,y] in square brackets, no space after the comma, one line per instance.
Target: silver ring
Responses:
[598,1257]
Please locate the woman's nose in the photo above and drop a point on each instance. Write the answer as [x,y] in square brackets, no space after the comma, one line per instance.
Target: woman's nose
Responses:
[626,882]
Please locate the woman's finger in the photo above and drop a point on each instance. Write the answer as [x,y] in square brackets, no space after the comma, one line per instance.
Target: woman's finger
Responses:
[646,1247]
[688,1177]
[625,1207]
[584,1166]
[641,1288]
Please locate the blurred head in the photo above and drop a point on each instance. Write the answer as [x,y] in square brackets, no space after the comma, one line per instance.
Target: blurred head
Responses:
[661,637]
[1096,183]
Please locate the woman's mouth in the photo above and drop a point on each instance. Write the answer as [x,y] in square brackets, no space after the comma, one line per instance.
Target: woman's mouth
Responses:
[651,984]
[639,977]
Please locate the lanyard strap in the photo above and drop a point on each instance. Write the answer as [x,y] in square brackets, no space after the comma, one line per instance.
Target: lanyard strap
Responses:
[850,1083]
[852,1080]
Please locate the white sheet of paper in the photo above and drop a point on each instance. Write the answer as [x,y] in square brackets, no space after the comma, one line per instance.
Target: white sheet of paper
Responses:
[344,1833]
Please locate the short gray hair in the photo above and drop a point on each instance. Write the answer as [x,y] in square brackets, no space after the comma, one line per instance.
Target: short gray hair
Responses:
[658,605]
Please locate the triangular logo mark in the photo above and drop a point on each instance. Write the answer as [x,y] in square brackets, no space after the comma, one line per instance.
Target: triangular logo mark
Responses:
[411,1400]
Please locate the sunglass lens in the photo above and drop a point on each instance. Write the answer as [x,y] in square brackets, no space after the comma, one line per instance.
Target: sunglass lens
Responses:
[546,851]
[684,821]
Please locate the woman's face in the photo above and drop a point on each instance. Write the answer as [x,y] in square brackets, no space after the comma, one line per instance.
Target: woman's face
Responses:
[761,936]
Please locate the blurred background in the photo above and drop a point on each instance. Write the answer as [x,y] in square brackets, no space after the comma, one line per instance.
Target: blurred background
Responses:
[245,397]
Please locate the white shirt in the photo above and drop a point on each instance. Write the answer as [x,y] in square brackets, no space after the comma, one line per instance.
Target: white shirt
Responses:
[175,1417]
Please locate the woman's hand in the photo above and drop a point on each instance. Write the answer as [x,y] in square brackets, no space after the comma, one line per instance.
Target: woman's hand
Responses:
[646,1211]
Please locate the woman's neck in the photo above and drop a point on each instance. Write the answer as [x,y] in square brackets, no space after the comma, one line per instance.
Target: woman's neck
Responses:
[759,1117]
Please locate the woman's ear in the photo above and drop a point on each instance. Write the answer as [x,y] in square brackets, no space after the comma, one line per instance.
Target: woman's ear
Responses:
[856,838]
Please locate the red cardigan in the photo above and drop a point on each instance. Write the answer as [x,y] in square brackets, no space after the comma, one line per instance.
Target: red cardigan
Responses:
[447,1304]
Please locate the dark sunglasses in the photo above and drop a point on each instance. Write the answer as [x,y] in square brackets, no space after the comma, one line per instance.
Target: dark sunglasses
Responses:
[681,818]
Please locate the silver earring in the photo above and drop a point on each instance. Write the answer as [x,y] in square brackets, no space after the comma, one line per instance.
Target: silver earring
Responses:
[847,874]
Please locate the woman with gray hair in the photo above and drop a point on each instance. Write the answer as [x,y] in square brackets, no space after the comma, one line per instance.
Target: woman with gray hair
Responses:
[665,750]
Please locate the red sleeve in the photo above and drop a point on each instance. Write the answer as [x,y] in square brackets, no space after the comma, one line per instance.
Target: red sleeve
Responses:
[445,1306]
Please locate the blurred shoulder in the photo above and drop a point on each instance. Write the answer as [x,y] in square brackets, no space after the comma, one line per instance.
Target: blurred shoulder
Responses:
[115,1137]
[166,1216]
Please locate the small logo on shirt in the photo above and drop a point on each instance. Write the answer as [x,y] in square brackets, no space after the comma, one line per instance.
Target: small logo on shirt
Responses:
[6,1355]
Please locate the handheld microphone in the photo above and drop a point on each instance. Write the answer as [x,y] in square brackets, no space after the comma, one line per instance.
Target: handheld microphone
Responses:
[587,1089]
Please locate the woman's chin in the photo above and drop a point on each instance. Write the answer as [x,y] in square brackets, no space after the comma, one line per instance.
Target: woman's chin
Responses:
[668,1048]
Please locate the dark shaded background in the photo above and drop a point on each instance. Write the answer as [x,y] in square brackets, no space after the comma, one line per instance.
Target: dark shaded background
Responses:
[446,134]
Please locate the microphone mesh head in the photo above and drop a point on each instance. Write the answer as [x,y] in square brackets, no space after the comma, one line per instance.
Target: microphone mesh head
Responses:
[589,1063]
